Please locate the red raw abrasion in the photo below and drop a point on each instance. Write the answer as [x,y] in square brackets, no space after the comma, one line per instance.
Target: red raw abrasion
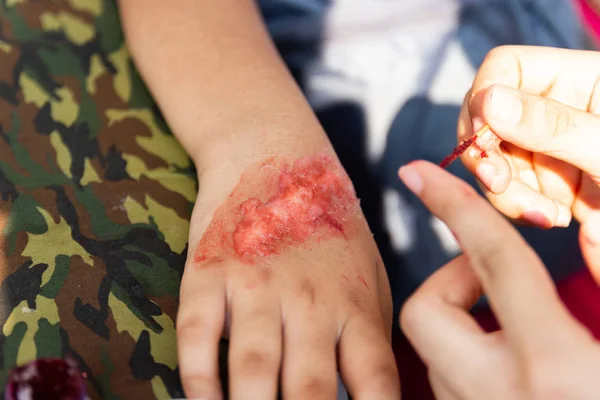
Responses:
[483,154]
[458,150]
[45,379]
[277,206]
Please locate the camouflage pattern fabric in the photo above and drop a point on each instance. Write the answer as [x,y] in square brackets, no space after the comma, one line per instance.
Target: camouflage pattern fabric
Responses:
[96,196]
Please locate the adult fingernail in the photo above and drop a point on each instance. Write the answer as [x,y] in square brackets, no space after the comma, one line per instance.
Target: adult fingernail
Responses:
[486,174]
[537,218]
[411,178]
[477,123]
[506,106]
[564,216]
[591,230]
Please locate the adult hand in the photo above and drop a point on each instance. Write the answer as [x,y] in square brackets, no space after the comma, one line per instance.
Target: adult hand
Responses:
[541,352]
[283,263]
[543,103]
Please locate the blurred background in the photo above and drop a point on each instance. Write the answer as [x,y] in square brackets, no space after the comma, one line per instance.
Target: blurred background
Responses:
[387,79]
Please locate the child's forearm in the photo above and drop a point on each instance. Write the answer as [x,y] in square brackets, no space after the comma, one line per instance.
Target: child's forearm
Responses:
[218,79]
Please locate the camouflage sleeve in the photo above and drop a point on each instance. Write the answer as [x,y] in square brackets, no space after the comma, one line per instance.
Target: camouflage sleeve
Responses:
[96,196]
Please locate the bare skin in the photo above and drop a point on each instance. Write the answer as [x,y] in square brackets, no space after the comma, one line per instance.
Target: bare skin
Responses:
[541,350]
[322,290]
[295,309]
[277,206]
[543,103]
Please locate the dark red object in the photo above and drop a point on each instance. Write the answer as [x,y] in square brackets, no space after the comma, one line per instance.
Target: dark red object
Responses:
[46,379]
[458,150]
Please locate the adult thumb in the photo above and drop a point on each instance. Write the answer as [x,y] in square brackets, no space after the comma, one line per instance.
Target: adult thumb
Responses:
[545,126]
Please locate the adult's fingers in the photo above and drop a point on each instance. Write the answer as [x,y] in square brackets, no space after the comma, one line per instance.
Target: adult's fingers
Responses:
[437,322]
[490,167]
[545,126]
[463,361]
[200,322]
[519,288]
[255,344]
[571,77]
[522,203]
[441,390]
[568,76]
[496,377]
[366,360]
[511,183]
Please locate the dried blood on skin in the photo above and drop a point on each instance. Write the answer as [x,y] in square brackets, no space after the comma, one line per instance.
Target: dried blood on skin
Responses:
[279,205]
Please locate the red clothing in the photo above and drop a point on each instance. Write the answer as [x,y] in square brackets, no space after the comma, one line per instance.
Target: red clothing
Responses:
[591,19]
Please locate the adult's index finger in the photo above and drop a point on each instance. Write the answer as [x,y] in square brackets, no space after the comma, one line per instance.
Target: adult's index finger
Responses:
[518,286]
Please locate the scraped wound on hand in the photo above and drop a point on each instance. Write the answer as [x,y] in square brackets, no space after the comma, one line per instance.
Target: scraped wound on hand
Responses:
[278,205]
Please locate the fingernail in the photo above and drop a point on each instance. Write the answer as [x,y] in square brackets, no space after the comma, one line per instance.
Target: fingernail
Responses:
[591,230]
[537,218]
[564,216]
[477,124]
[411,178]
[486,174]
[506,106]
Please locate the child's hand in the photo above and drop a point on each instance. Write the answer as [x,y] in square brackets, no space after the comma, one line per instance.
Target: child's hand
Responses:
[282,263]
